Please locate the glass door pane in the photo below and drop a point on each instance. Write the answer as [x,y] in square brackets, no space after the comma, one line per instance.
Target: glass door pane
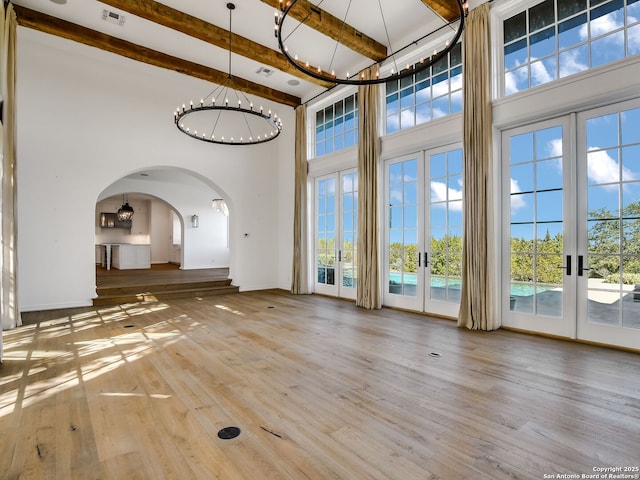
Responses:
[538,270]
[347,255]
[401,239]
[325,248]
[610,229]
[336,222]
[444,233]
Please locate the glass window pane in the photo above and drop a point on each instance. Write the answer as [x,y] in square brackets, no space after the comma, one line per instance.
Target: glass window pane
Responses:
[438,165]
[522,178]
[549,174]
[521,148]
[543,43]
[574,61]
[549,143]
[543,71]
[603,166]
[516,81]
[411,193]
[454,161]
[566,8]
[515,54]
[630,122]
[607,18]
[423,91]
[572,31]
[440,107]
[631,163]
[515,27]
[406,98]
[607,49]
[455,55]
[440,66]
[603,236]
[440,85]
[423,113]
[328,114]
[522,207]
[407,118]
[549,206]
[631,201]
[602,131]
[541,15]
[603,202]
[456,102]
[633,40]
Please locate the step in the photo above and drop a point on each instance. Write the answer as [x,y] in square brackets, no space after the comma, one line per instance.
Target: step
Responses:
[164,294]
[158,288]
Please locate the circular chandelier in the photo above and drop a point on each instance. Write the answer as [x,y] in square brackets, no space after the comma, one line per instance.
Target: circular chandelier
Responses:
[387,65]
[226,115]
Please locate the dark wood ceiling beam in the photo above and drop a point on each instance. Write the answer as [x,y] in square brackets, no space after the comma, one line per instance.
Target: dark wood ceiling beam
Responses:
[327,24]
[447,9]
[71,31]
[195,27]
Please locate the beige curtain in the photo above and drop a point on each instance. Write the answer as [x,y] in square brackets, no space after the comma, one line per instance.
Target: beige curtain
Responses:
[8,259]
[478,306]
[300,276]
[368,284]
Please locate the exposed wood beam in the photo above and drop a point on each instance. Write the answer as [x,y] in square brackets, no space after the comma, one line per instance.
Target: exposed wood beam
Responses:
[447,9]
[207,32]
[334,28]
[71,31]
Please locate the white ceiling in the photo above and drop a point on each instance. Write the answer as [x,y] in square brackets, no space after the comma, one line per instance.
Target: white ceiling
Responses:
[406,21]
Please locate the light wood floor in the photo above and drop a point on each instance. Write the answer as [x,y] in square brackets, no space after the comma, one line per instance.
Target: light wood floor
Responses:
[319,388]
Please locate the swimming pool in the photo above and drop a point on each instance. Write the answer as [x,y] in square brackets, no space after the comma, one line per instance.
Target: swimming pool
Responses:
[520,289]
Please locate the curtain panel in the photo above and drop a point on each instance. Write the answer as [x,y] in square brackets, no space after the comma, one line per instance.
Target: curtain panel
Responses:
[300,276]
[8,285]
[368,294]
[478,305]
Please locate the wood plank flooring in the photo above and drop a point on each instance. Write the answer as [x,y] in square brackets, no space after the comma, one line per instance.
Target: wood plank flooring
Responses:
[319,388]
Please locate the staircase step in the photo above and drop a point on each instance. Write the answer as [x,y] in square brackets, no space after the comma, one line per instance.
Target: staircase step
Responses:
[131,294]
[158,288]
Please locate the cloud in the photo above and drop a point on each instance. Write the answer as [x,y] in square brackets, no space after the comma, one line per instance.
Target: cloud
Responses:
[604,24]
[540,74]
[602,168]
[570,64]
[517,201]
[439,191]
[513,78]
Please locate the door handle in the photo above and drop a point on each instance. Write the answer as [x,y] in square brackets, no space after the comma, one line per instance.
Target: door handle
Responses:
[581,267]
[339,255]
[567,266]
[419,263]
[426,259]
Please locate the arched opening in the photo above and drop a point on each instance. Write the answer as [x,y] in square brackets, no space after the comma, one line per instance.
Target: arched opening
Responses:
[173,228]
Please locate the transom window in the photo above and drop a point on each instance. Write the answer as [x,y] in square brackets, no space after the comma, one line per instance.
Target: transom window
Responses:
[337,126]
[557,38]
[427,95]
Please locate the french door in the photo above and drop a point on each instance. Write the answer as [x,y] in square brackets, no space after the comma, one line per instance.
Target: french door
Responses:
[336,208]
[608,263]
[423,231]
[539,270]
[571,226]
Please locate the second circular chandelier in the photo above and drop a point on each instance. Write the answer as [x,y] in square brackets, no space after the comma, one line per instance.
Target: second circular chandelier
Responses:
[288,33]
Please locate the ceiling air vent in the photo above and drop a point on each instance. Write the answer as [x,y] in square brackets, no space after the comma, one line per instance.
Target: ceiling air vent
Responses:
[113,17]
[265,72]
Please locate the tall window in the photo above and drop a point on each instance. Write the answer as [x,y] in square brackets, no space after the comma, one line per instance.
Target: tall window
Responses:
[427,95]
[337,126]
[557,38]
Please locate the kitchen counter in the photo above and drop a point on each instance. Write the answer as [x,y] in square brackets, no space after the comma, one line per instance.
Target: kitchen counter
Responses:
[125,256]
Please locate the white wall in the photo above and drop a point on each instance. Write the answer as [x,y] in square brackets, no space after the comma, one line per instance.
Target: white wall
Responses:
[88,118]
